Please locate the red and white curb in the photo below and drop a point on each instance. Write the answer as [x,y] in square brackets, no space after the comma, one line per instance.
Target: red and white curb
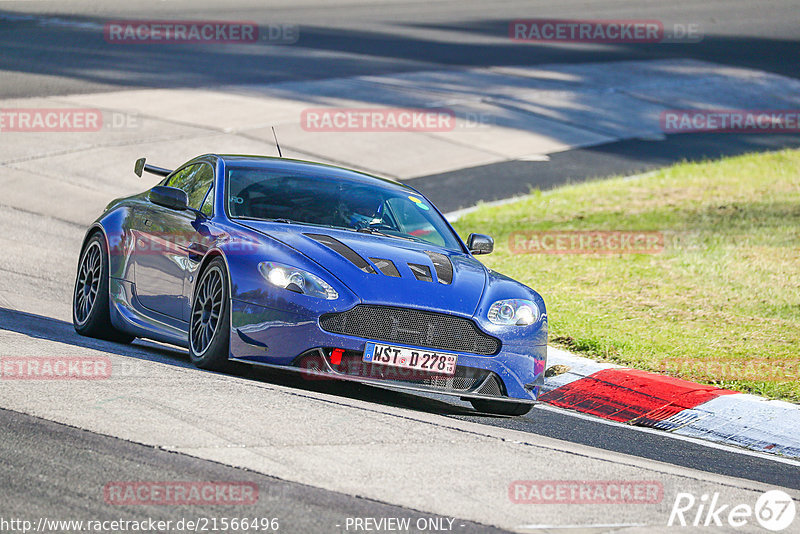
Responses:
[678,406]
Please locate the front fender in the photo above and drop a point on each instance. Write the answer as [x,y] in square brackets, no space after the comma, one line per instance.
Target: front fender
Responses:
[244,251]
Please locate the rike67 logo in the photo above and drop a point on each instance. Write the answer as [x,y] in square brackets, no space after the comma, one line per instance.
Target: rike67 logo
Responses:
[774,511]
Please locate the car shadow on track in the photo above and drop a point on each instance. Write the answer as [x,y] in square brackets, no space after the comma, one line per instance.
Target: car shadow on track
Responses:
[58,331]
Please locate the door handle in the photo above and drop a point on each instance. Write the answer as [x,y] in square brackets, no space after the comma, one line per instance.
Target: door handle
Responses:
[147,222]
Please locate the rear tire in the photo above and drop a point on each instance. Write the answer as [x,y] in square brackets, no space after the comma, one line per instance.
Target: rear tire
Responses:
[500,407]
[209,323]
[90,307]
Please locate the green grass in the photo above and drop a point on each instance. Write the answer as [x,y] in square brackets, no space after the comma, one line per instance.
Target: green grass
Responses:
[720,305]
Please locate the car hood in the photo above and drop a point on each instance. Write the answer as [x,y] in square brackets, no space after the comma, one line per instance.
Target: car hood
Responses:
[354,259]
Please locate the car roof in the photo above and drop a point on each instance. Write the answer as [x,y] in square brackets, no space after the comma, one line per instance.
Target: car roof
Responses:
[301,166]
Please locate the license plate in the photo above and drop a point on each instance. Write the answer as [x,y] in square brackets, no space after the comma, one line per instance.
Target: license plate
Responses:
[411,358]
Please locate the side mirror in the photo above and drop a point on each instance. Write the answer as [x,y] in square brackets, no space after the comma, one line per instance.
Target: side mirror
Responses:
[169,197]
[480,244]
[138,167]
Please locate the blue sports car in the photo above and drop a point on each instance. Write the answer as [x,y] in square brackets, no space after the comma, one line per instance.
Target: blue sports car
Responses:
[312,268]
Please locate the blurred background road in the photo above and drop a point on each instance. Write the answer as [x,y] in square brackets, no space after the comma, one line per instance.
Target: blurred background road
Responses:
[531,114]
[59,51]
[546,114]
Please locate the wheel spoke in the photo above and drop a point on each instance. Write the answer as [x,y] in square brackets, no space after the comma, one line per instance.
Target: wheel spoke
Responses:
[88,281]
[206,310]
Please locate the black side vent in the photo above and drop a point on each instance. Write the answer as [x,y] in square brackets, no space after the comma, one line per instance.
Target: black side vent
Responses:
[492,386]
[444,269]
[387,267]
[344,250]
[422,272]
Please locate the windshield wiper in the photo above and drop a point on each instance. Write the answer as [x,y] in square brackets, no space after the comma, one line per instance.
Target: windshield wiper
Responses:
[373,231]
[363,230]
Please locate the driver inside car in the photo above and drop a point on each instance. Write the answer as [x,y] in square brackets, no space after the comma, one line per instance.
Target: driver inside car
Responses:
[361,211]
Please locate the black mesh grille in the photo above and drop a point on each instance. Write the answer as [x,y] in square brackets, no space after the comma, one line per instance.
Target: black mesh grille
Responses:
[444,269]
[411,327]
[491,387]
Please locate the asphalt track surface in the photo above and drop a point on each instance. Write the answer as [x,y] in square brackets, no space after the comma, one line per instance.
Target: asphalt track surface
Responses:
[71,466]
[622,158]
[348,39]
[83,456]
[56,58]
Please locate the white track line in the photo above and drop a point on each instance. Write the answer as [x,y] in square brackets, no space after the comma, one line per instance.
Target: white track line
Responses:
[696,441]
[600,525]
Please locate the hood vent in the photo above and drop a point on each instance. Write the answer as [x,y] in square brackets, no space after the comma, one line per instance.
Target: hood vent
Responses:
[421,272]
[444,269]
[387,267]
[342,249]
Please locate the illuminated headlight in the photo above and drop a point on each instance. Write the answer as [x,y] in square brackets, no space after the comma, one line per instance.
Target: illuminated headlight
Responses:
[296,280]
[518,312]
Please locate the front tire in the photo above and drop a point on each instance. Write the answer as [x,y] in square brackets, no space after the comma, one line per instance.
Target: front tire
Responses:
[500,407]
[209,324]
[90,307]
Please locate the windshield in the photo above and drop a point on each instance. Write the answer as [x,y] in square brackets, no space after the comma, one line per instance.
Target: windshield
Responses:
[255,193]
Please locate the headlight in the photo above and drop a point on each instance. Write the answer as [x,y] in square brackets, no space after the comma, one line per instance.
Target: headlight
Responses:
[518,312]
[296,280]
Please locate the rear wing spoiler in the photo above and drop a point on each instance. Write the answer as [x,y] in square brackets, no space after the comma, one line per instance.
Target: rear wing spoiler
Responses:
[152,169]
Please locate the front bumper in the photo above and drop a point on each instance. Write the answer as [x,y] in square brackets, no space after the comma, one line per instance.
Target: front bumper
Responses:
[278,338]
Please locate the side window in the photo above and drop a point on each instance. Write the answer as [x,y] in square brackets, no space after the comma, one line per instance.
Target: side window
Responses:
[208,204]
[196,180]
[184,178]
[203,180]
